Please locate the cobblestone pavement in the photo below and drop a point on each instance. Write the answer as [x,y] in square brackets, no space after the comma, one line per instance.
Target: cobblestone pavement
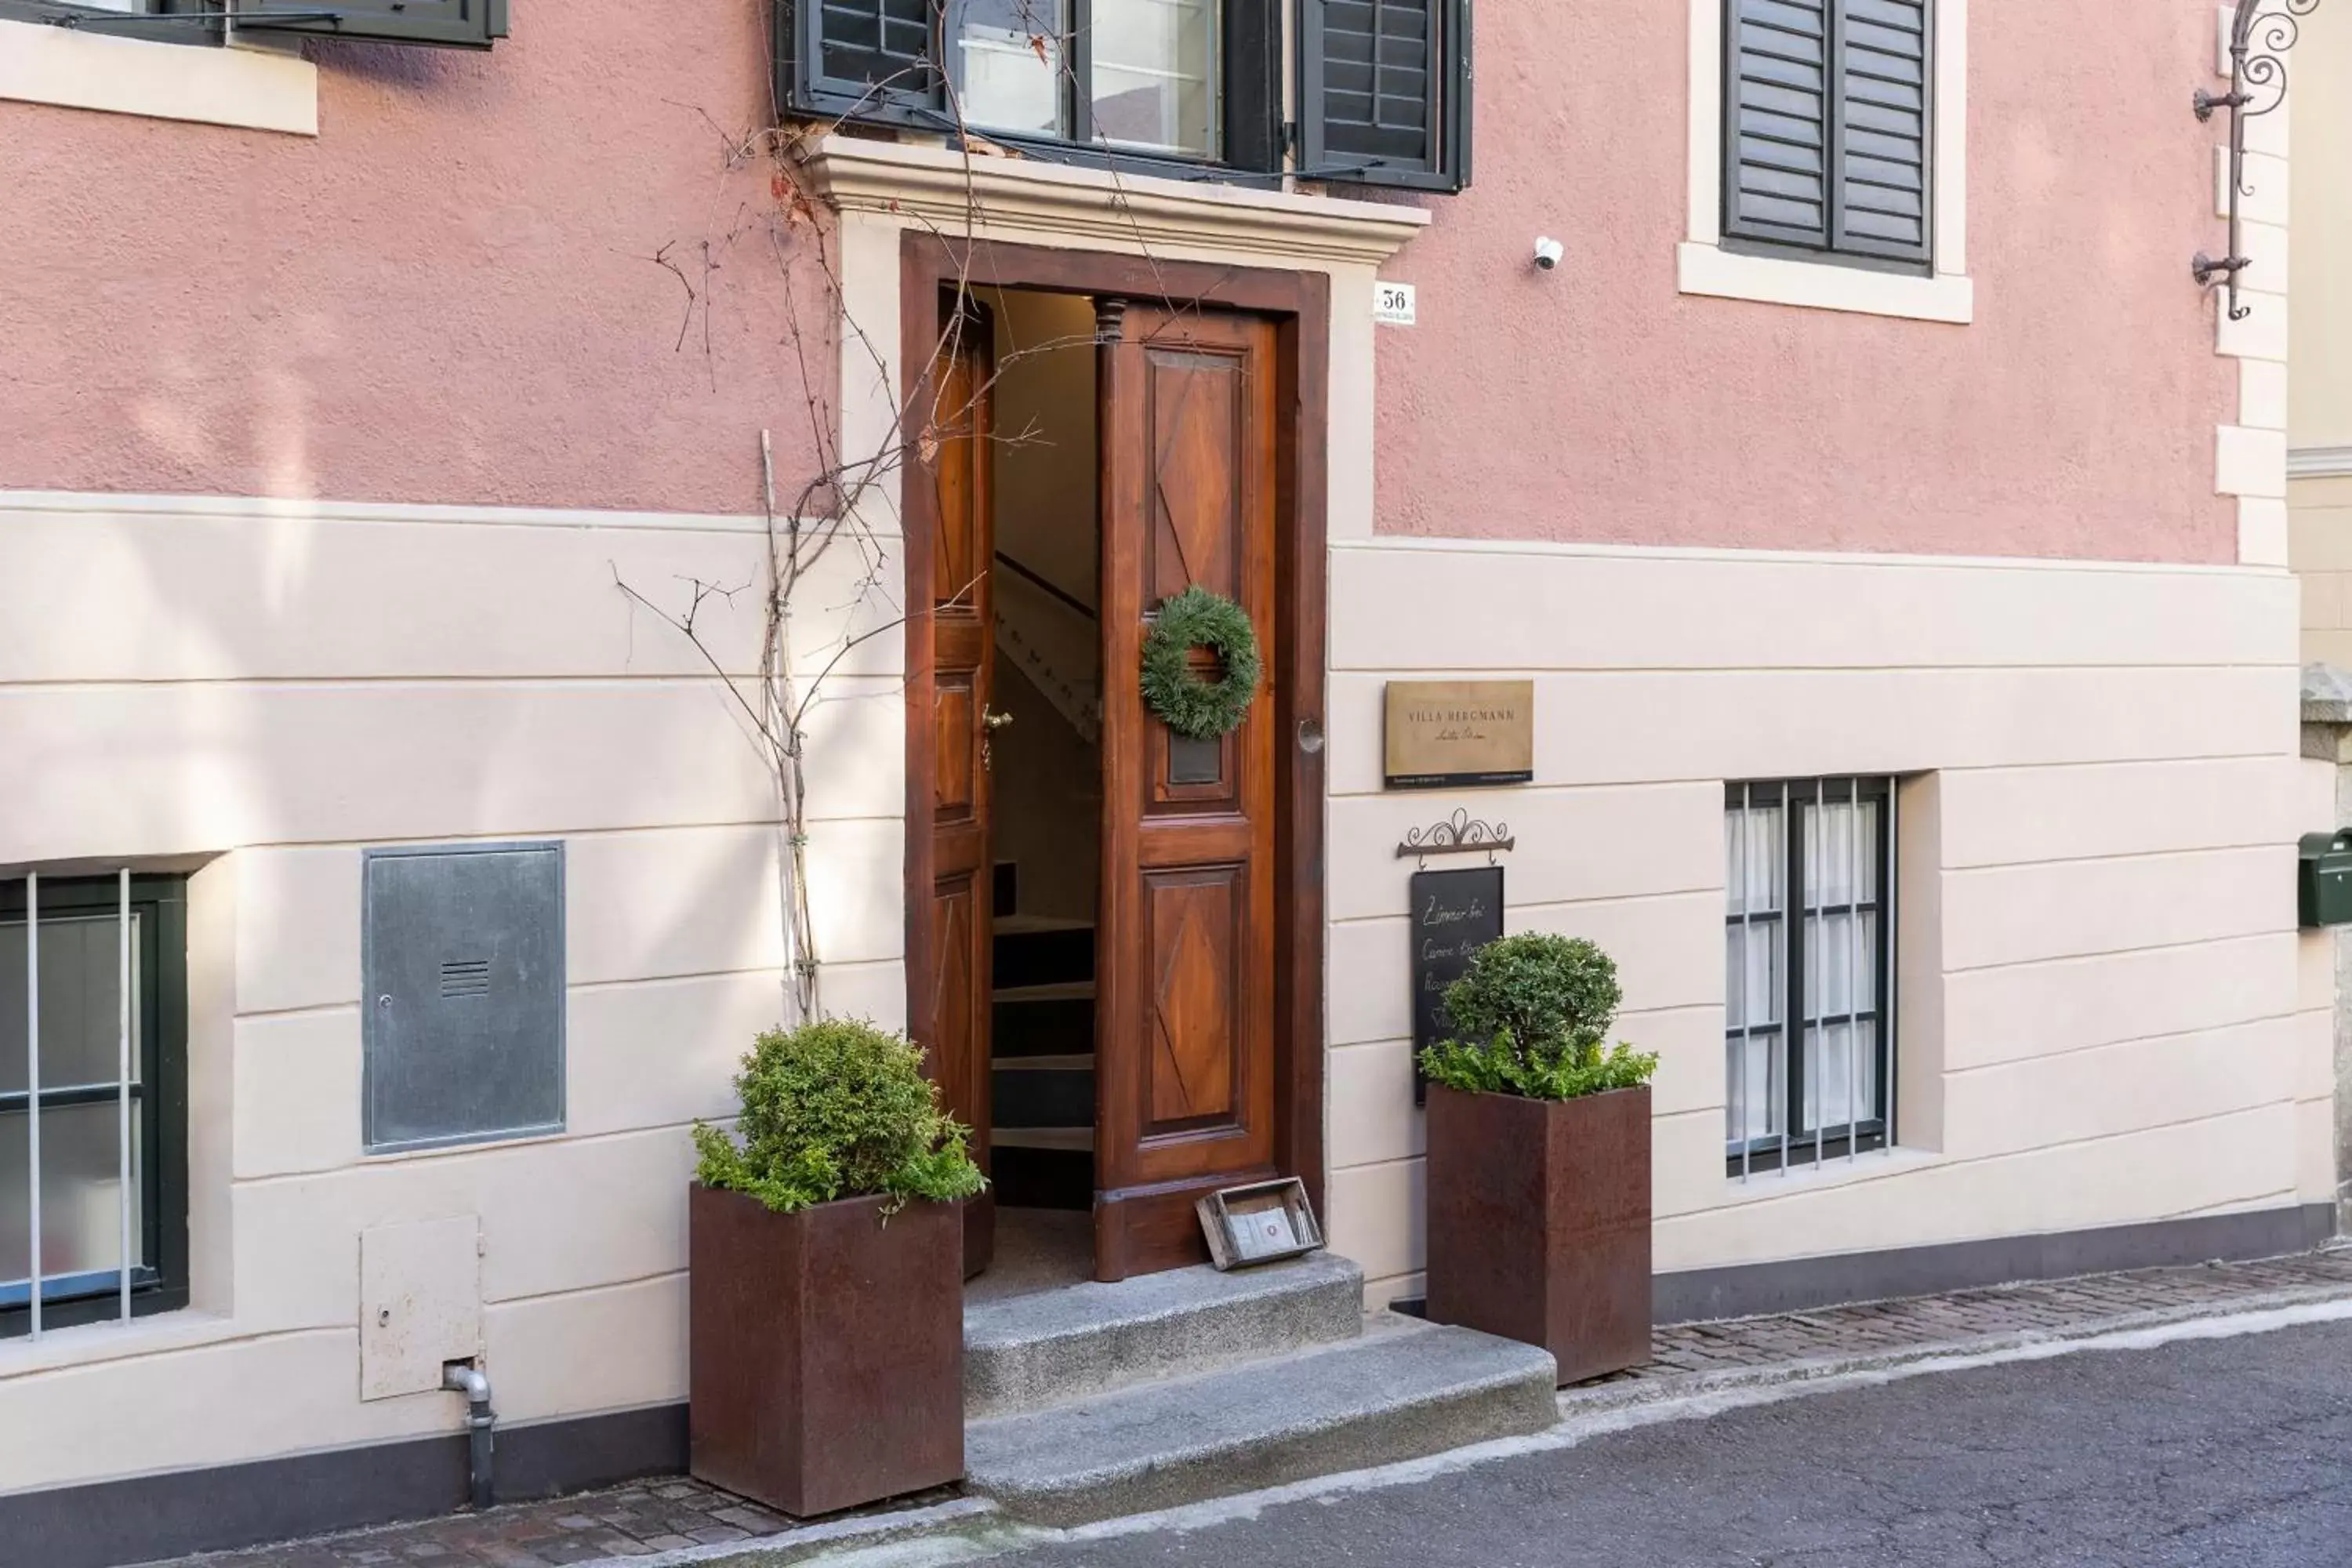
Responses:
[657,1517]
[646,1519]
[1961,1318]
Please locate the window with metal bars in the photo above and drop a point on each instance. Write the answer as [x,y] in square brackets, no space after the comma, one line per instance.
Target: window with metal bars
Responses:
[1809,1048]
[1826,122]
[93,1100]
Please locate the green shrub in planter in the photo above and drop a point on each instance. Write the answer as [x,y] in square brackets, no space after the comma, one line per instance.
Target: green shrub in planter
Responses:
[1530,1018]
[837,1109]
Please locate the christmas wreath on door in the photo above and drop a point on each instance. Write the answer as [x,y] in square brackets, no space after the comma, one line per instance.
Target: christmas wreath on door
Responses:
[1180,697]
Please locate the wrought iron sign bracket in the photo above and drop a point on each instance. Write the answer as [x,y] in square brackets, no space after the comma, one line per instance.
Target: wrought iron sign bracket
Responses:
[1461,834]
[2261,33]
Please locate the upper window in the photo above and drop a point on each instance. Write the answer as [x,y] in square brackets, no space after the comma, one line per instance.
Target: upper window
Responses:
[1827,119]
[458,24]
[1384,83]
[100,1089]
[1809,1046]
[1139,74]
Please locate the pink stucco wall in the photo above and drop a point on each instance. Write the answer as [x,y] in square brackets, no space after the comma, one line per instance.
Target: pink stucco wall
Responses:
[449,296]
[2075,416]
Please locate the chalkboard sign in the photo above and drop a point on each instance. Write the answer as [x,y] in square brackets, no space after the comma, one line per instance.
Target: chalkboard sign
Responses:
[1455,913]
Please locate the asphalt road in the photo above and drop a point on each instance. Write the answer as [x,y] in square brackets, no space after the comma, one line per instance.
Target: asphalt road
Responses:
[2210,1453]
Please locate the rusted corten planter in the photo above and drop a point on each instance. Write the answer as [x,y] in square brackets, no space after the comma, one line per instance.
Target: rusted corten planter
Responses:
[825,1350]
[1539,1222]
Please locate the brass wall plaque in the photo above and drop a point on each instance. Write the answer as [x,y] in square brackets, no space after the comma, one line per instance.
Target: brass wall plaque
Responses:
[1460,732]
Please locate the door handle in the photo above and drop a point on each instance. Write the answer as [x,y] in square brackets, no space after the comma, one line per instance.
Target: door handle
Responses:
[989,724]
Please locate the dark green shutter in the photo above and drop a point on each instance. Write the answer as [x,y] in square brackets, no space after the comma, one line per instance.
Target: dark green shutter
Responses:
[1825,125]
[1253,83]
[1883,102]
[451,24]
[1777,122]
[1385,92]
[874,59]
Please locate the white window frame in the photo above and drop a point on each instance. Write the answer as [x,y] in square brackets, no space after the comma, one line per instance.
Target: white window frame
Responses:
[1704,267]
[255,88]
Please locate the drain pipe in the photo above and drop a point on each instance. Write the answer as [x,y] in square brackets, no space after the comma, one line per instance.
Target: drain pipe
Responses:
[464,1377]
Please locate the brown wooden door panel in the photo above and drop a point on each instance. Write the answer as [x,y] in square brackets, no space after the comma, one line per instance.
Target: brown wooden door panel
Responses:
[961,641]
[1197,415]
[1195,924]
[955,792]
[1185,980]
[1181,841]
[957,997]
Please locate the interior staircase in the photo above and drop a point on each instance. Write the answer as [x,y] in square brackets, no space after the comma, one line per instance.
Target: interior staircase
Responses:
[1053,640]
[1042,1077]
[1094,1401]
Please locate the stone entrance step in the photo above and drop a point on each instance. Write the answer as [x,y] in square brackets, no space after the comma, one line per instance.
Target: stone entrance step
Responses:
[1023,1353]
[1401,1390]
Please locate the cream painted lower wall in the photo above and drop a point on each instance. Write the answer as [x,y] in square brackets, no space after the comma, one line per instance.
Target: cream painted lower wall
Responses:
[267,689]
[2114,1013]
[2108,1014]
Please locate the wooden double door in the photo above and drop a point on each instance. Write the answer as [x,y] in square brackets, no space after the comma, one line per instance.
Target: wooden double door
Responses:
[1186,1050]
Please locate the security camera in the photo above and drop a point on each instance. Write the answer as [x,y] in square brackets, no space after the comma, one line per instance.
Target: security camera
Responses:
[1548,253]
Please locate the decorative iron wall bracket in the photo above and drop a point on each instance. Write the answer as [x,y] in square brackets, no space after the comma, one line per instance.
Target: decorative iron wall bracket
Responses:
[1461,834]
[2261,33]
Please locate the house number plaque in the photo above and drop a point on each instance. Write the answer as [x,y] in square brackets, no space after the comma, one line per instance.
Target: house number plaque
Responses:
[1455,913]
[1455,732]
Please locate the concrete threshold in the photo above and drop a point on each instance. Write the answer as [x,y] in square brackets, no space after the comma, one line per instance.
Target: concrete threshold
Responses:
[1025,1352]
[1401,1390]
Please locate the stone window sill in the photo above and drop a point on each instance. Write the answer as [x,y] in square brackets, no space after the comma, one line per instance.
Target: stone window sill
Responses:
[1709,270]
[88,1344]
[252,89]
[1878,1164]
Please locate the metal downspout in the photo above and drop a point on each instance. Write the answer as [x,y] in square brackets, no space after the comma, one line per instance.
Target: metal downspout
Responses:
[464,1377]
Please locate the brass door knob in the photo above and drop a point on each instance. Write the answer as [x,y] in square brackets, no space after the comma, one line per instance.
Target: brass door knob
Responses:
[989,724]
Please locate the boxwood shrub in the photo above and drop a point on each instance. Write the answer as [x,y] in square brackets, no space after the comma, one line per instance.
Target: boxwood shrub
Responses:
[1531,1017]
[837,1109]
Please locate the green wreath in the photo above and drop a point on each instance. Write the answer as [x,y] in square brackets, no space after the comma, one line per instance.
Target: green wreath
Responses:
[1195,709]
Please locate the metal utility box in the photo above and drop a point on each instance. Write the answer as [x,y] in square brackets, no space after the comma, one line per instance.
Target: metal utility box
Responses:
[420,1303]
[2323,883]
[462,953]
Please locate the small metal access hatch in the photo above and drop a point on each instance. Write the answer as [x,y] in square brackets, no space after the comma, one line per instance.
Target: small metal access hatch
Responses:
[462,953]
